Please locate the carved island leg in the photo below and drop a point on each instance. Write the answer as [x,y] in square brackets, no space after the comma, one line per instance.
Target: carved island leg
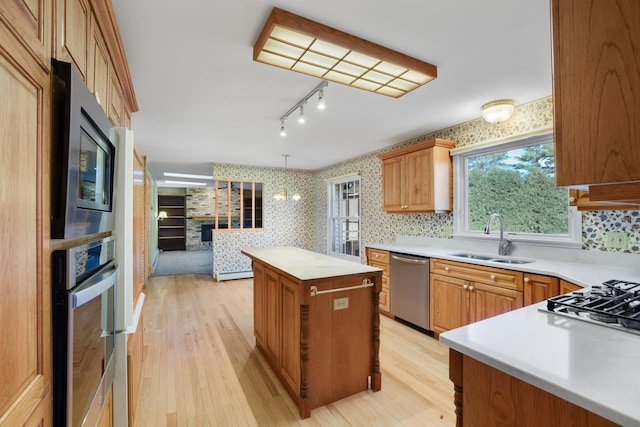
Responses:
[305,410]
[455,375]
[376,375]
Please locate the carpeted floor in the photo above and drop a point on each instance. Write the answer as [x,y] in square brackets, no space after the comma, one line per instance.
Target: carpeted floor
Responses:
[184,262]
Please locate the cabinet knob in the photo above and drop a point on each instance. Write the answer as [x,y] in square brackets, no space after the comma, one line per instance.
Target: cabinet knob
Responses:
[526,280]
[470,287]
[465,286]
[492,277]
[572,199]
[376,255]
[447,269]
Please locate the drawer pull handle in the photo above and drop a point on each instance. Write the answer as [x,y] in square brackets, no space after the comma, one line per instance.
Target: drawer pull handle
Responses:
[492,277]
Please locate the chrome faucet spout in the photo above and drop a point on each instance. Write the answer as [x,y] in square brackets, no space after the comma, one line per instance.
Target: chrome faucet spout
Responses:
[504,245]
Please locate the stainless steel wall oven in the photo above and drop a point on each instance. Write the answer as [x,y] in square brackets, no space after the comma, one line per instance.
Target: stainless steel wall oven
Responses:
[84,279]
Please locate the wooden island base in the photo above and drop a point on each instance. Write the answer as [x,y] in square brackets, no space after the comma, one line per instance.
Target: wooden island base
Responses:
[317,322]
[485,396]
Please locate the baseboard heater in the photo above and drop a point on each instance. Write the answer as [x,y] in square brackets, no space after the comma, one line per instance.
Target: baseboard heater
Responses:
[221,277]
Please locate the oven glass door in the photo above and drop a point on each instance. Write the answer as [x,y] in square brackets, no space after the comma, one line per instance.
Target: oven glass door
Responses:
[91,340]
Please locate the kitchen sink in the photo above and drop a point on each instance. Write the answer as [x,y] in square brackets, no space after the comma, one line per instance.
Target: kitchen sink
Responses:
[491,259]
[509,261]
[473,256]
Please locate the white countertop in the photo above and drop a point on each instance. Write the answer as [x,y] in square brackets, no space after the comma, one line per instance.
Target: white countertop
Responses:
[592,366]
[306,265]
[589,365]
[582,274]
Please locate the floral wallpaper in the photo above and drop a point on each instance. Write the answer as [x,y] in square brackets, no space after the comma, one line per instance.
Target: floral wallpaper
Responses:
[285,223]
[303,223]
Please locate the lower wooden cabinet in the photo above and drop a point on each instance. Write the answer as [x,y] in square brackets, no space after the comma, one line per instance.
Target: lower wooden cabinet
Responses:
[379,258]
[539,288]
[462,293]
[566,287]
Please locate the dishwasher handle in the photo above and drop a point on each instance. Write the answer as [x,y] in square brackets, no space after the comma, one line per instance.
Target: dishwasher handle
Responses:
[410,260]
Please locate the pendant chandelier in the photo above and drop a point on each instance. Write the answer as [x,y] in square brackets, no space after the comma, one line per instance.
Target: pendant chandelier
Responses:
[284,195]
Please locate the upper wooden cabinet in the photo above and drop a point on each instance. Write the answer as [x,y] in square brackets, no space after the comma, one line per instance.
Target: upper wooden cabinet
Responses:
[98,66]
[596,93]
[30,21]
[418,178]
[582,200]
[73,18]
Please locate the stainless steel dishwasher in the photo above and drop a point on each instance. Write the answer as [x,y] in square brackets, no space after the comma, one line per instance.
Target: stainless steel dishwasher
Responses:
[409,277]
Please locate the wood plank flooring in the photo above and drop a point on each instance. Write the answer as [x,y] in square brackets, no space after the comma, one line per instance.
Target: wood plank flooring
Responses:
[201,367]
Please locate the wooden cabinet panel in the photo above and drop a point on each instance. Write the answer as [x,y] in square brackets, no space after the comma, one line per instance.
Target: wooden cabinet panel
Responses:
[449,303]
[418,183]
[30,22]
[489,275]
[418,178]
[116,103]
[259,304]
[488,301]
[140,223]
[392,184]
[135,361]
[25,283]
[98,65]
[290,327]
[566,287]
[596,91]
[539,288]
[380,259]
[72,33]
[582,200]
[272,287]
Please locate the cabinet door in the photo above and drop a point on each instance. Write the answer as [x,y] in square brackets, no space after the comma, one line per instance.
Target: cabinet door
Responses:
[116,104]
[418,190]
[72,32]
[596,91]
[539,288]
[259,304]
[385,295]
[272,314]
[392,184]
[32,21]
[487,301]
[449,303]
[290,355]
[98,65]
[566,287]
[25,285]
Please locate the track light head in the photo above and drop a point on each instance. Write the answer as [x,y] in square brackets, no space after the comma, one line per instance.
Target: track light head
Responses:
[301,114]
[283,131]
[321,100]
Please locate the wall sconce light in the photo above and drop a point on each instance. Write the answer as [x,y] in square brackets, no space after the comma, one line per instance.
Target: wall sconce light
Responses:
[299,44]
[497,111]
[162,215]
[284,195]
[300,106]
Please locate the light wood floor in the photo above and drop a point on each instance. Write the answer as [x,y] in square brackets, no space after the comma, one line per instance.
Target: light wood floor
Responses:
[201,367]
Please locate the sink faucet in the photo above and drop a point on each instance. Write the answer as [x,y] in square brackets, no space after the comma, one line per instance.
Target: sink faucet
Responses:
[504,246]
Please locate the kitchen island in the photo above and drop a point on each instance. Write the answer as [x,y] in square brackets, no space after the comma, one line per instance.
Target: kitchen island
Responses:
[529,367]
[317,323]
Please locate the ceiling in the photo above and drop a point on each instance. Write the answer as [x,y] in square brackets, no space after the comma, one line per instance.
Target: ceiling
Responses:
[202,99]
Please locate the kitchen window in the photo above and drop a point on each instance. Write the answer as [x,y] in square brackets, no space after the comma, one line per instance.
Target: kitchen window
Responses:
[343,225]
[517,180]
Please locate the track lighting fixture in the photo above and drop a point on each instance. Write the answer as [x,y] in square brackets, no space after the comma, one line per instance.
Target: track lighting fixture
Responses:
[321,99]
[300,105]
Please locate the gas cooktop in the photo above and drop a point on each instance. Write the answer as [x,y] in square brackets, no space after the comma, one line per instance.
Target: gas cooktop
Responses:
[615,303]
